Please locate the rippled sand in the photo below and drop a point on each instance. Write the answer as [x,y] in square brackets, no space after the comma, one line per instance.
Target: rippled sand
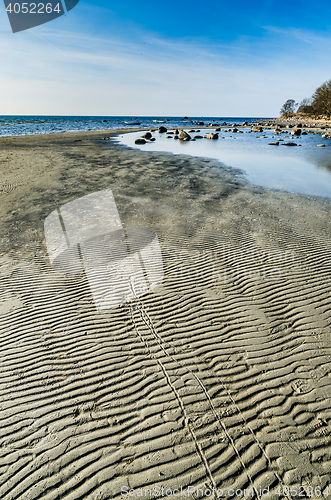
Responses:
[219,378]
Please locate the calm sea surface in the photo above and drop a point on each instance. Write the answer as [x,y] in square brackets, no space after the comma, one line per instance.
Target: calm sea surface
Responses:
[305,169]
[28,125]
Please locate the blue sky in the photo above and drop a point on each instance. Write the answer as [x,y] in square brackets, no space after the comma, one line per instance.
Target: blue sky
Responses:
[225,58]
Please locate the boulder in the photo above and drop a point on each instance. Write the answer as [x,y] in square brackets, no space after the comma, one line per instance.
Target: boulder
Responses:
[244,124]
[257,128]
[217,129]
[277,131]
[148,135]
[184,136]
[289,144]
[296,131]
[321,145]
[235,130]
[140,141]
[153,139]
[162,130]
[200,123]
[198,137]
[276,143]
[176,132]
[176,137]
[212,136]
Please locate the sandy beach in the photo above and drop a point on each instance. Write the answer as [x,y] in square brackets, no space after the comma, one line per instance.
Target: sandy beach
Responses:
[218,379]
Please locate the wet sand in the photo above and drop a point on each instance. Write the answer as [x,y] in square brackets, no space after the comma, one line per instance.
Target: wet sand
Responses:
[219,378]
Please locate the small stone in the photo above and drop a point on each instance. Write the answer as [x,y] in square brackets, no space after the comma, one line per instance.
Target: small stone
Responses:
[184,136]
[321,145]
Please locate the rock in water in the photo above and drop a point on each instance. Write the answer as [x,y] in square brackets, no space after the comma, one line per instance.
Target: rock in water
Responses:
[257,129]
[148,135]
[184,136]
[211,136]
[162,130]
[289,144]
[296,131]
[276,143]
[140,141]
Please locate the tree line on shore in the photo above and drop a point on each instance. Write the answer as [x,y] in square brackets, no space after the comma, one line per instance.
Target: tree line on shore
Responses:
[316,105]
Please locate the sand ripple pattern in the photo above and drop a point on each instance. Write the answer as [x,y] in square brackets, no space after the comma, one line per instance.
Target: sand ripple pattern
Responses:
[221,378]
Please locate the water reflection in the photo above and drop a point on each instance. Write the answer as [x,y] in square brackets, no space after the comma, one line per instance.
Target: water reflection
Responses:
[305,168]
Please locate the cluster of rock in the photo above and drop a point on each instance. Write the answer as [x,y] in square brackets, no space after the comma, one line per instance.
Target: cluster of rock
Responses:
[279,127]
[175,134]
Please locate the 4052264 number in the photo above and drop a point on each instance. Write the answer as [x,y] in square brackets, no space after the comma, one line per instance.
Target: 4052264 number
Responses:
[33,8]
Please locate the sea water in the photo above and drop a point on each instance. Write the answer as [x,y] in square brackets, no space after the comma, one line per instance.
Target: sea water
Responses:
[304,168]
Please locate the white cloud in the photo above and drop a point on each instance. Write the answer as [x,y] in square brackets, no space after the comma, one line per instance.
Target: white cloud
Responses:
[77,74]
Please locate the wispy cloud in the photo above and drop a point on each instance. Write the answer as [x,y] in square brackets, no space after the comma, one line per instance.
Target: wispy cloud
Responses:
[63,72]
